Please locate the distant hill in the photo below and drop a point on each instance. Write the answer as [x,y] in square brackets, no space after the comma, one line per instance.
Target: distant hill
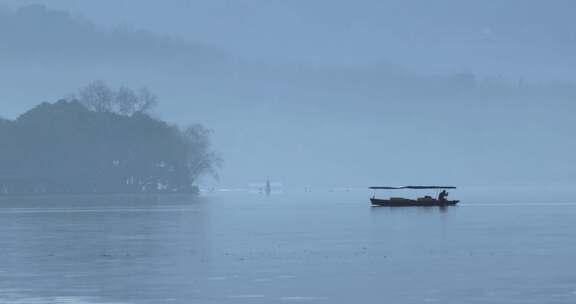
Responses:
[50,48]
[37,33]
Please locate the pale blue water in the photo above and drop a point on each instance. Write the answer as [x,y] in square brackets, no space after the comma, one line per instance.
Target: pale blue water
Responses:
[291,248]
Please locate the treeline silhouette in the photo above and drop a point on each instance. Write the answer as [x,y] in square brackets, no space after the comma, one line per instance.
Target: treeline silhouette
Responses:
[65,147]
[37,32]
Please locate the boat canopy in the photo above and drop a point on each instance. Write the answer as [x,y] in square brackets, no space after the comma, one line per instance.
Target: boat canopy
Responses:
[411,187]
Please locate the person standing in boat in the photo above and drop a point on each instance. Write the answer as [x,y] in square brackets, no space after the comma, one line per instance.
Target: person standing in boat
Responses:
[268,187]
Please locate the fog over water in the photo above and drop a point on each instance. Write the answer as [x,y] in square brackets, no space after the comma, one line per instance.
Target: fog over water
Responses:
[108,195]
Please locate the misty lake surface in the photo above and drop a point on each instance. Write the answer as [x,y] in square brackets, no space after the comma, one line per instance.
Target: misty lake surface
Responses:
[319,247]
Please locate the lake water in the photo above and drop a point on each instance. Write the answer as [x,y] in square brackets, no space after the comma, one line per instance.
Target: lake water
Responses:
[291,248]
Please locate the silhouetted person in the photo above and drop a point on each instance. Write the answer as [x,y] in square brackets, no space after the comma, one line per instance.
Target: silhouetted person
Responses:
[268,188]
[443,195]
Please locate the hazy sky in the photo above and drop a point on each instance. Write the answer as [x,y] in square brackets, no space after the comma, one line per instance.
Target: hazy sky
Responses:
[516,38]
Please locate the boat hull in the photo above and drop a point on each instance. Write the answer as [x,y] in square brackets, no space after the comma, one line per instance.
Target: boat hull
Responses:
[411,203]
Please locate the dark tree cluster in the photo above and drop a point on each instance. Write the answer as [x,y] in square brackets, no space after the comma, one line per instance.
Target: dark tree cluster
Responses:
[65,147]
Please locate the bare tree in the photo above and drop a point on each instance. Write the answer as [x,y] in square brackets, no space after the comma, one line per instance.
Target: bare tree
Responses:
[146,101]
[201,159]
[126,101]
[99,97]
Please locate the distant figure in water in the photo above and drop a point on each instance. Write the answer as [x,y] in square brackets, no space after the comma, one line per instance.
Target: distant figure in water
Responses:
[443,195]
[268,188]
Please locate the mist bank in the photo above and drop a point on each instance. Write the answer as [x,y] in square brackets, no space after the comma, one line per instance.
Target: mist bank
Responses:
[513,38]
[55,51]
[306,125]
[37,33]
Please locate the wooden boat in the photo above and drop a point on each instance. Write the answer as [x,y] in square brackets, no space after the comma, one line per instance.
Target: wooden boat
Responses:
[425,201]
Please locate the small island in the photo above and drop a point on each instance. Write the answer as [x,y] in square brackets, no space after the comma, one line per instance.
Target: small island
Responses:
[101,142]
